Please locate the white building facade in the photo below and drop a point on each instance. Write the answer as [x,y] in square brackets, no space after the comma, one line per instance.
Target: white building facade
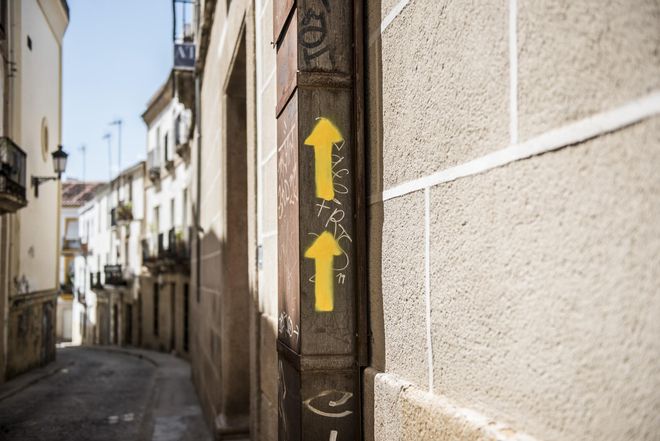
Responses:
[165,279]
[31,33]
[107,282]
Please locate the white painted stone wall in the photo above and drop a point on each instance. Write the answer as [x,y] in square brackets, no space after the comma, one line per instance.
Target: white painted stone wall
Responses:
[514,234]
[94,227]
[266,165]
[37,102]
[172,183]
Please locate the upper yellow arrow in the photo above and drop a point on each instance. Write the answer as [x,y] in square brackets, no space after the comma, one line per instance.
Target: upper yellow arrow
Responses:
[324,135]
[323,251]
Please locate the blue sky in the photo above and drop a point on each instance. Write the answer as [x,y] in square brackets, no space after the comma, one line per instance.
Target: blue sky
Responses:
[116,54]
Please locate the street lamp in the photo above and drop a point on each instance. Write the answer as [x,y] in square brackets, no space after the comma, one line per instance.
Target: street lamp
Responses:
[59,165]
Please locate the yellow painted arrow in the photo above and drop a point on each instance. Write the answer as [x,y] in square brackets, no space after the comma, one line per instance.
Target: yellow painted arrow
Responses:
[324,135]
[323,251]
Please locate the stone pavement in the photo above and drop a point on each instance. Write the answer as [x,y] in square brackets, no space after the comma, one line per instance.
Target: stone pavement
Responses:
[103,393]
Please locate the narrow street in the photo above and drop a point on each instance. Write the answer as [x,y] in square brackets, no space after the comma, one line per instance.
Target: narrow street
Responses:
[101,394]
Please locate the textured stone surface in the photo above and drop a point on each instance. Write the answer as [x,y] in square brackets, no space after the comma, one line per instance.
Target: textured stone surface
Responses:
[544,282]
[268,420]
[403,288]
[578,58]
[267,122]
[269,195]
[268,362]
[405,412]
[445,86]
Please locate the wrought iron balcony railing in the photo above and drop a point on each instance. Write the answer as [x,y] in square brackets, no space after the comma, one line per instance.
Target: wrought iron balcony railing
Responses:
[166,251]
[114,275]
[124,212]
[12,176]
[72,245]
[178,241]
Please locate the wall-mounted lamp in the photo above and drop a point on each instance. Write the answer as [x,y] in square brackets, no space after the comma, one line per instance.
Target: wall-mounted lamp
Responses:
[59,165]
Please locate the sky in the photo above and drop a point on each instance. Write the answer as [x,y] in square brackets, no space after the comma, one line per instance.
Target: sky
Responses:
[116,54]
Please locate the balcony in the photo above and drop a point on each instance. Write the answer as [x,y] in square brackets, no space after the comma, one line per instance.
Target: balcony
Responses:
[178,241]
[114,275]
[153,165]
[181,135]
[12,176]
[72,245]
[124,212]
[168,252]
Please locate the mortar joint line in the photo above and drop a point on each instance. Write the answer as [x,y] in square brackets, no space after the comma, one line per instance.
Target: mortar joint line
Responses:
[427,281]
[571,134]
[266,83]
[389,18]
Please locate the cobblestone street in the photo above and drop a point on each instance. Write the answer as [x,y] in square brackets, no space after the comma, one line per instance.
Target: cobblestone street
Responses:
[97,394]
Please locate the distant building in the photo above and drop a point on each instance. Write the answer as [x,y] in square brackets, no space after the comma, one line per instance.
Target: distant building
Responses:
[74,196]
[31,33]
[107,274]
[165,280]
[94,230]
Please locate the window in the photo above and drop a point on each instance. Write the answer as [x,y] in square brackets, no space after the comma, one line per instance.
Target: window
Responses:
[157,148]
[184,209]
[156,220]
[172,213]
[156,307]
[127,260]
[71,228]
[166,149]
[177,130]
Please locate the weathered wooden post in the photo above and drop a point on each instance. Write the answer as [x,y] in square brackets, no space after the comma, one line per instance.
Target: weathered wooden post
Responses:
[319,175]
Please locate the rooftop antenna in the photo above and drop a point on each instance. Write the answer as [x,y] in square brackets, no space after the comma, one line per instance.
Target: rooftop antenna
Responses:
[118,122]
[83,149]
[108,136]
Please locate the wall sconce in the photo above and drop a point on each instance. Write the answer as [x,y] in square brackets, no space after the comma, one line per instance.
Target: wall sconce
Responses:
[59,165]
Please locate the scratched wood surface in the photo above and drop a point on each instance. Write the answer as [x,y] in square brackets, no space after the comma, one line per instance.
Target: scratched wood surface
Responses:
[329,332]
[288,227]
[281,11]
[318,167]
[287,65]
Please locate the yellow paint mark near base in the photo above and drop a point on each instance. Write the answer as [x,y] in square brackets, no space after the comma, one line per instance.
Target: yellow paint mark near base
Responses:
[324,135]
[323,251]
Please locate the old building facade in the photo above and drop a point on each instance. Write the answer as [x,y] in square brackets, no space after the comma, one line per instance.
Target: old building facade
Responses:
[107,273]
[165,279]
[31,35]
[74,196]
[485,170]
[71,313]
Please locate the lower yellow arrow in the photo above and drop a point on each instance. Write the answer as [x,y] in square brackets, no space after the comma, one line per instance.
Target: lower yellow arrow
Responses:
[324,135]
[323,251]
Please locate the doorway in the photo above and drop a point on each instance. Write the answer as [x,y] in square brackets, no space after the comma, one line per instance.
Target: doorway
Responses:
[235,358]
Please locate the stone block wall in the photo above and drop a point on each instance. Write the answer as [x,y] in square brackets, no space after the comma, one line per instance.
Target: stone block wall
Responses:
[31,332]
[514,234]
